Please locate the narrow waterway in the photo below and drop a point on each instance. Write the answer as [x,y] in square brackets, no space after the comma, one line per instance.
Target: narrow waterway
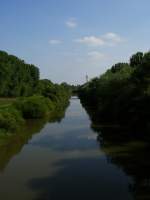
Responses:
[64,160]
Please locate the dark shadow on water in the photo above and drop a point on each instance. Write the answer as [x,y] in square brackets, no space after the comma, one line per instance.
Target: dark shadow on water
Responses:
[82,179]
[12,144]
[121,173]
[129,149]
[132,156]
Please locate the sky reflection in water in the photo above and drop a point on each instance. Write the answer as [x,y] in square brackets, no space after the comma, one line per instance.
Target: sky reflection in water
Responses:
[63,161]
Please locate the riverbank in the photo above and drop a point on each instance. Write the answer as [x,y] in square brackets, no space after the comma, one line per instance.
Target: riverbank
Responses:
[23,95]
[49,157]
[121,95]
[14,113]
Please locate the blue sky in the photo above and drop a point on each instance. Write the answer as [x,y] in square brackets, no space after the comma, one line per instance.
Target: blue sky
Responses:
[68,39]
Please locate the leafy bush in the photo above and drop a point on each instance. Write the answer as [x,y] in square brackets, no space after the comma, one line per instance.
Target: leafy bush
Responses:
[16,77]
[10,119]
[122,94]
[34,106]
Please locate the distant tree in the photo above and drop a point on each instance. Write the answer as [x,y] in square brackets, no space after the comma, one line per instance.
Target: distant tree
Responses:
[117,67]
[16,77]
[122,93]
[136,59]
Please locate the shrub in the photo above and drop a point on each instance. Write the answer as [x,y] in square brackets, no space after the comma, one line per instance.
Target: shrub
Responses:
[34,106]
[10,119]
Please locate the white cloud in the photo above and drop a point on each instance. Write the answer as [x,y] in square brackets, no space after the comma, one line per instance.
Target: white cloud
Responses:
[91,41]
[71,23]
[113,37]
[54,42]
[96,55]
[108,39]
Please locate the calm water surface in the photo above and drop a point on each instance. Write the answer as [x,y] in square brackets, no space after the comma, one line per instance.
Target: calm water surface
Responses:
[60,160]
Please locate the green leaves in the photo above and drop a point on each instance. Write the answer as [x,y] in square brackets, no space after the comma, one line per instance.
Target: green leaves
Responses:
[10,119]
[122,93]
[16,77]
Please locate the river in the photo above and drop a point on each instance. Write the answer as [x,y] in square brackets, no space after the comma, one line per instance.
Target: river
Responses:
[62,160]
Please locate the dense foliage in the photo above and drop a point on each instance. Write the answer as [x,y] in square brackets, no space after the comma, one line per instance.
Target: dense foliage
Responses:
[16,77]
[34,106]
[122,94]
[10,119]
[35,98]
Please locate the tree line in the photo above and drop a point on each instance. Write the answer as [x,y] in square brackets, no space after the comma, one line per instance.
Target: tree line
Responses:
[29,97]
[16,77]
[122,94]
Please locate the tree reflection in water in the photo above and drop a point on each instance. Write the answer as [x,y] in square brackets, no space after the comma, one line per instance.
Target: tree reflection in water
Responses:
[12,144]
[128,150]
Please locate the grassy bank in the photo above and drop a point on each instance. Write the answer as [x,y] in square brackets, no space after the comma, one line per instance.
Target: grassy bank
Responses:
[14,112]
[23,95]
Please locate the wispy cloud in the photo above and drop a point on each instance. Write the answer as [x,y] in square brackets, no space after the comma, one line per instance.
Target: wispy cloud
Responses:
[55,42]
[91,41]
[106,39]
[71,23]
[96,55]
[113,37]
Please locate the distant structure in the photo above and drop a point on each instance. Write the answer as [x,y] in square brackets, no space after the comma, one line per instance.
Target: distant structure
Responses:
[87,78]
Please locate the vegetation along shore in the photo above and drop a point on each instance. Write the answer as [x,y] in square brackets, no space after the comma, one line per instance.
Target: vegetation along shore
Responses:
[23,95]
[121,95]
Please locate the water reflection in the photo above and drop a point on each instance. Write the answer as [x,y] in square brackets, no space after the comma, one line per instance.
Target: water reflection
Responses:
[78,169]
[80,179]
[71,160]
[12,144]
[129,150]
